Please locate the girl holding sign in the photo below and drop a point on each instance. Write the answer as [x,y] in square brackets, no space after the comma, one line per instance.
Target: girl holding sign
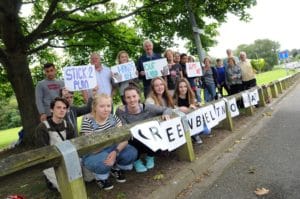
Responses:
[113,159]
[184,99]
[159,94]
[135,111]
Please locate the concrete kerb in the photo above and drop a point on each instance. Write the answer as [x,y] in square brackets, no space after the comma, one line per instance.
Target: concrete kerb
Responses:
[195,169]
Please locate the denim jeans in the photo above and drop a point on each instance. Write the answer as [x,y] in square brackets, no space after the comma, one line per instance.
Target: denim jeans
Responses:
[198,94]
[95,162]
[209,92]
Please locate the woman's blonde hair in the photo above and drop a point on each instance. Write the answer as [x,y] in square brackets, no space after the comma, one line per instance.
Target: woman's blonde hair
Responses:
[97,99]
[119,55]
[166,95]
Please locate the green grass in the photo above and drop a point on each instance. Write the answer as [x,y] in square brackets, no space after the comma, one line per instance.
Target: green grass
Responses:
[11,135]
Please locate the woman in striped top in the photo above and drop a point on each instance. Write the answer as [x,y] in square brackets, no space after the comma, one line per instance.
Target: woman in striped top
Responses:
[113,159]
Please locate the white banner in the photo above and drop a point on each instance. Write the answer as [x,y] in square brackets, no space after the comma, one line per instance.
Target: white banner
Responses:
[156,68]
[123,72]
[78,78]
[195,121]
[246,99]
[232,106]
[209,116]
[220,109]
[174,131]
[193,69]
[254,97]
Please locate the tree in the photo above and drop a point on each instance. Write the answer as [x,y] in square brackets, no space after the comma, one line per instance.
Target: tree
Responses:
[80,26]
[262,48]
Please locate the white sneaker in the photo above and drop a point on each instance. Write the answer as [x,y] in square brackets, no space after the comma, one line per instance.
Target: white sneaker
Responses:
[197,139]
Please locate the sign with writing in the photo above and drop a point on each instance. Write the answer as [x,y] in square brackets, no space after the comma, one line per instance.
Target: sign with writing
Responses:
[124,72]
[220,109]
[283,54]
[193,69]
[78,78]
[232,106]
[209,116]
[174,132]
[156,68]
[254,97]
[246,99]
[195,121]
[149,133]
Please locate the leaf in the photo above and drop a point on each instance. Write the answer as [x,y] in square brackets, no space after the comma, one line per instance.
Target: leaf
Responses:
[261,191]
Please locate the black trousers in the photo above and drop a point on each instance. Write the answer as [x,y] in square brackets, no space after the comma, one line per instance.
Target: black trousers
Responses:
[140,147]
[249,84]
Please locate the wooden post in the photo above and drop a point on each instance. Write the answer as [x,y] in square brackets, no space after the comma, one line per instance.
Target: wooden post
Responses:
[227,123]
[266,94]
[249,111]
[262,101]
[273,90]
[186,151]
[283,83]
[279,87]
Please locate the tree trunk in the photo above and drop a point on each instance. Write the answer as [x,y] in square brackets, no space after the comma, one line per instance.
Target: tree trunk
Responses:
[20,78]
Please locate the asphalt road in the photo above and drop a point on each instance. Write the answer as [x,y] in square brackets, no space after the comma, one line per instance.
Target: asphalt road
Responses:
[270,159]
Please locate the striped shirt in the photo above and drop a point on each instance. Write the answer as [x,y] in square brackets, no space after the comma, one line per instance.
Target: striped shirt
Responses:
[89,124]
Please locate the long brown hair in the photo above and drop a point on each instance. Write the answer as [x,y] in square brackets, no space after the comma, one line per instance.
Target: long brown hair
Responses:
[190,95]
[166,95]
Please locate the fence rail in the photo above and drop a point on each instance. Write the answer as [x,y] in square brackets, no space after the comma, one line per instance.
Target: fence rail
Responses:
[50,156]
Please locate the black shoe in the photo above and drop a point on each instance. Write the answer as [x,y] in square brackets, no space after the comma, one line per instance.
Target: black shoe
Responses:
[104,184]
[118,175]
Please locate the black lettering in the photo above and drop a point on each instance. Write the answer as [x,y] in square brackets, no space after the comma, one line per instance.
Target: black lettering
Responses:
[190,123]
[198,120]
[142,135]
[179,130]
[211,116]
[206,117]
[233,107]
[154,131]
[217,110]
[170,134]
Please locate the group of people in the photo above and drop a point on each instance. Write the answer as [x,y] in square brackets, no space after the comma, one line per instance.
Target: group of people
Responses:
[163,95]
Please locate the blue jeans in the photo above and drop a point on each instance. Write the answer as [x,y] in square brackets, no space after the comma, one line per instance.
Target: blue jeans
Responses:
[209,92]
[95,162]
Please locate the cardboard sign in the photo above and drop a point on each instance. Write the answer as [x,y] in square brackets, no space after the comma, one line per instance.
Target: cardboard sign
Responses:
[124,72]
[174,132]
[148,133]
[220,109]
[254,97]
[232,106]
[246,99]
[156,68]
[193,69]
[78,78]
[209,116]
[195,121]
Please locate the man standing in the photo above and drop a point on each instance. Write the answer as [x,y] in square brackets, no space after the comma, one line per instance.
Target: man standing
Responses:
[103,76]
[52,131]
[248,75]
[229,54]
[46,90]
[148,56]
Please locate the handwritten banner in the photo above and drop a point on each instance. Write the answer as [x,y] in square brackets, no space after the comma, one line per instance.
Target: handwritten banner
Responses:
[193,69]
[124,72]
[78,78]
[156,68]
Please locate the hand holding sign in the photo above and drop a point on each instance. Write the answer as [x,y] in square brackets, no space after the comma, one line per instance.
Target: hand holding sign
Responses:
[193,69]
[156,68]
[124,72]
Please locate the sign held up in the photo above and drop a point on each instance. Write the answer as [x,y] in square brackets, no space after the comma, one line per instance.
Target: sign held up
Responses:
[156,68]
[78,78]
[124,72]
[193,69]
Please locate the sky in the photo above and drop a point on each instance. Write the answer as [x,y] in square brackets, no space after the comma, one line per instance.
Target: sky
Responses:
[271,19]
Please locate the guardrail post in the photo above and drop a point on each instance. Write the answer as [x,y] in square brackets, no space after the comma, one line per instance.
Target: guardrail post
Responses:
[279,86]
[227,123]
[68,173]
[266,94]
[273,90]
[186,151]
[249,111]
[262,101]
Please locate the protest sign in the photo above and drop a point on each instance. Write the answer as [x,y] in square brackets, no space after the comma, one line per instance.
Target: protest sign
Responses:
[246,99]
[220,110]
[149,133]
[193,69]
[156,68]
[254,97]
[195,121]
[233,108]
[174,132]
[124,72]
[78,78]
[209,116]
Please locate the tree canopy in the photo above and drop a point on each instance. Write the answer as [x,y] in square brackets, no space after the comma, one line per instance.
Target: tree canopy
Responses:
[82,26]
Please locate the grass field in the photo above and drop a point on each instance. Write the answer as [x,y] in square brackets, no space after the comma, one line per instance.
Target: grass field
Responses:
[11,135]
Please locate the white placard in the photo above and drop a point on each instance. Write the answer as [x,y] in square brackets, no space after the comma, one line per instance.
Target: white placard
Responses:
[232,106]
[123,72]
[254,97]
[195,121]
[209,116]
[193,69]
[156,68]
[220,109]
[246,99]
[174,132]
[149,133]
[78,78]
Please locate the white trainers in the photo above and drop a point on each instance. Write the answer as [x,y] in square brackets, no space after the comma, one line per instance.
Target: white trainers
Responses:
[197,139]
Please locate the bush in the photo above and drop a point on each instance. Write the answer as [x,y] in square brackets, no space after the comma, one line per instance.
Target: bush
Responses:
[10,115]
